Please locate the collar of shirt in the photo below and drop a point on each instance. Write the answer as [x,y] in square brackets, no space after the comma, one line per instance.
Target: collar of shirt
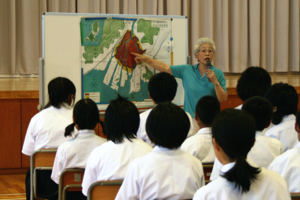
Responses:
[297,145]
[227,167]
[166,150]
[83,133]
[258,133]
[289,117]
[204,131]
[196,67]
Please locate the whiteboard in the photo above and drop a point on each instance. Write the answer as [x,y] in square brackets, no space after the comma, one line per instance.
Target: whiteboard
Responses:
[61,50]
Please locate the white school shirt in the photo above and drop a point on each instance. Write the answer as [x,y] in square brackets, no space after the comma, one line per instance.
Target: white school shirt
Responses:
[285,132]
[162,174]
[142,134]
[46,129]
[75,152]
[288,166]
[263,152]
[200,145]
[268,185]
[110,161]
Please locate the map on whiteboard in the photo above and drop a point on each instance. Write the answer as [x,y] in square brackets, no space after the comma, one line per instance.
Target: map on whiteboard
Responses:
[108,67]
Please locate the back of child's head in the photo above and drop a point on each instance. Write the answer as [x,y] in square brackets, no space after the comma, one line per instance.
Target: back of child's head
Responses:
[207,108]
[254,81]
[285,98]
[167,125]
[86,116]
[59,90]
[121,120]
[162,87]
[261,109]
[234,131]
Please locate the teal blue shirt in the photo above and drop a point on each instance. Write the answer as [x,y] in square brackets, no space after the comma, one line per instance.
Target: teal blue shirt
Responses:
[196,86]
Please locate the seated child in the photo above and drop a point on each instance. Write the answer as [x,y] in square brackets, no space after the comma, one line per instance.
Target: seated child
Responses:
[265,148]
[284,100]
[200,145]
[167,172]
[233,133]
[46,130]
[110,160]
[74,153]
[288,164]
[161,87]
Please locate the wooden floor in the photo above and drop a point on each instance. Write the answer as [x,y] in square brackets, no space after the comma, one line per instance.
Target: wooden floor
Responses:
[12,186]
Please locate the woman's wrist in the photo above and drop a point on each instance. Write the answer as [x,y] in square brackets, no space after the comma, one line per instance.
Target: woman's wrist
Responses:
[217,84]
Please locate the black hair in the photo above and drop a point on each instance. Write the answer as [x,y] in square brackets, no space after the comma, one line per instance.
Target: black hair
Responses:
[121,119]
[167,125]
[162,87]
[261,109]
[285,98]
[59,90]
[207,108]
[298,118]
[86,116]
[254,81]
[234,131]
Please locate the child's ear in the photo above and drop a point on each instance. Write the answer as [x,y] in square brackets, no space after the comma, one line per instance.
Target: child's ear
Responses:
[297,127]
[196,116]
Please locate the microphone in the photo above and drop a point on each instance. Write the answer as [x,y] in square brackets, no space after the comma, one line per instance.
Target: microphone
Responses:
[208,64]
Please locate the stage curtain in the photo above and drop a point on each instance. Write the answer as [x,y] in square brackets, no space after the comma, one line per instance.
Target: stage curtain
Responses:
[247,32]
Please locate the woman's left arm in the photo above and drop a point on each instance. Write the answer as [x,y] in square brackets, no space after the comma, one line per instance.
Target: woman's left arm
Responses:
[221,93]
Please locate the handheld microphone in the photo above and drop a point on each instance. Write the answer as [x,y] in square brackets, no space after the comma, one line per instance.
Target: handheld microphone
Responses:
[208,64]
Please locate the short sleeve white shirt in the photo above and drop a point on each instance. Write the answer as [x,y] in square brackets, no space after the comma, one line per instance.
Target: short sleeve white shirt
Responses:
[264,150]
[200,145]
[162,174]
[75,152]
[285,132]
[110,161]
[268,185]
[46,129]
[142,134]
[288,166]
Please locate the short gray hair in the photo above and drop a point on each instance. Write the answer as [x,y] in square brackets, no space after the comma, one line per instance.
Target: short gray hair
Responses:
[204,40]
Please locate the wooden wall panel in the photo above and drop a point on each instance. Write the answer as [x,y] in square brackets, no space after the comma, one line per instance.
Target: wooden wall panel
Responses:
[10,132]
[28,110]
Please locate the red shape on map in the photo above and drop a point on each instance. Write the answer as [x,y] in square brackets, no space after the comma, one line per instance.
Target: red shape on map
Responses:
[124,49]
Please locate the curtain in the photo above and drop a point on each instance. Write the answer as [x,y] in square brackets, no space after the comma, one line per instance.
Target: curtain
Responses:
[246,32]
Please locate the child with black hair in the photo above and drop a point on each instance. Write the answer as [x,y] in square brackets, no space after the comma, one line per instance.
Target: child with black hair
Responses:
[284,100]
[110,160]
[167,172]
[162,87]
[200,144]
[288,164]
[46,130]
[254,81]
[233,134]
[74,153]
[265,148]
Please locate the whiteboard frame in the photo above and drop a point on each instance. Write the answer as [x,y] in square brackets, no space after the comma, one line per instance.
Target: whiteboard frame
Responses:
[55,60]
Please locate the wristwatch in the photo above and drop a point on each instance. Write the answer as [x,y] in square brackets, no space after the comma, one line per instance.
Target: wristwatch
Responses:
[217,84]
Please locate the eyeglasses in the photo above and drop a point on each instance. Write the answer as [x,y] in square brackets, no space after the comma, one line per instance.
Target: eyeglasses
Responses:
[205,50]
